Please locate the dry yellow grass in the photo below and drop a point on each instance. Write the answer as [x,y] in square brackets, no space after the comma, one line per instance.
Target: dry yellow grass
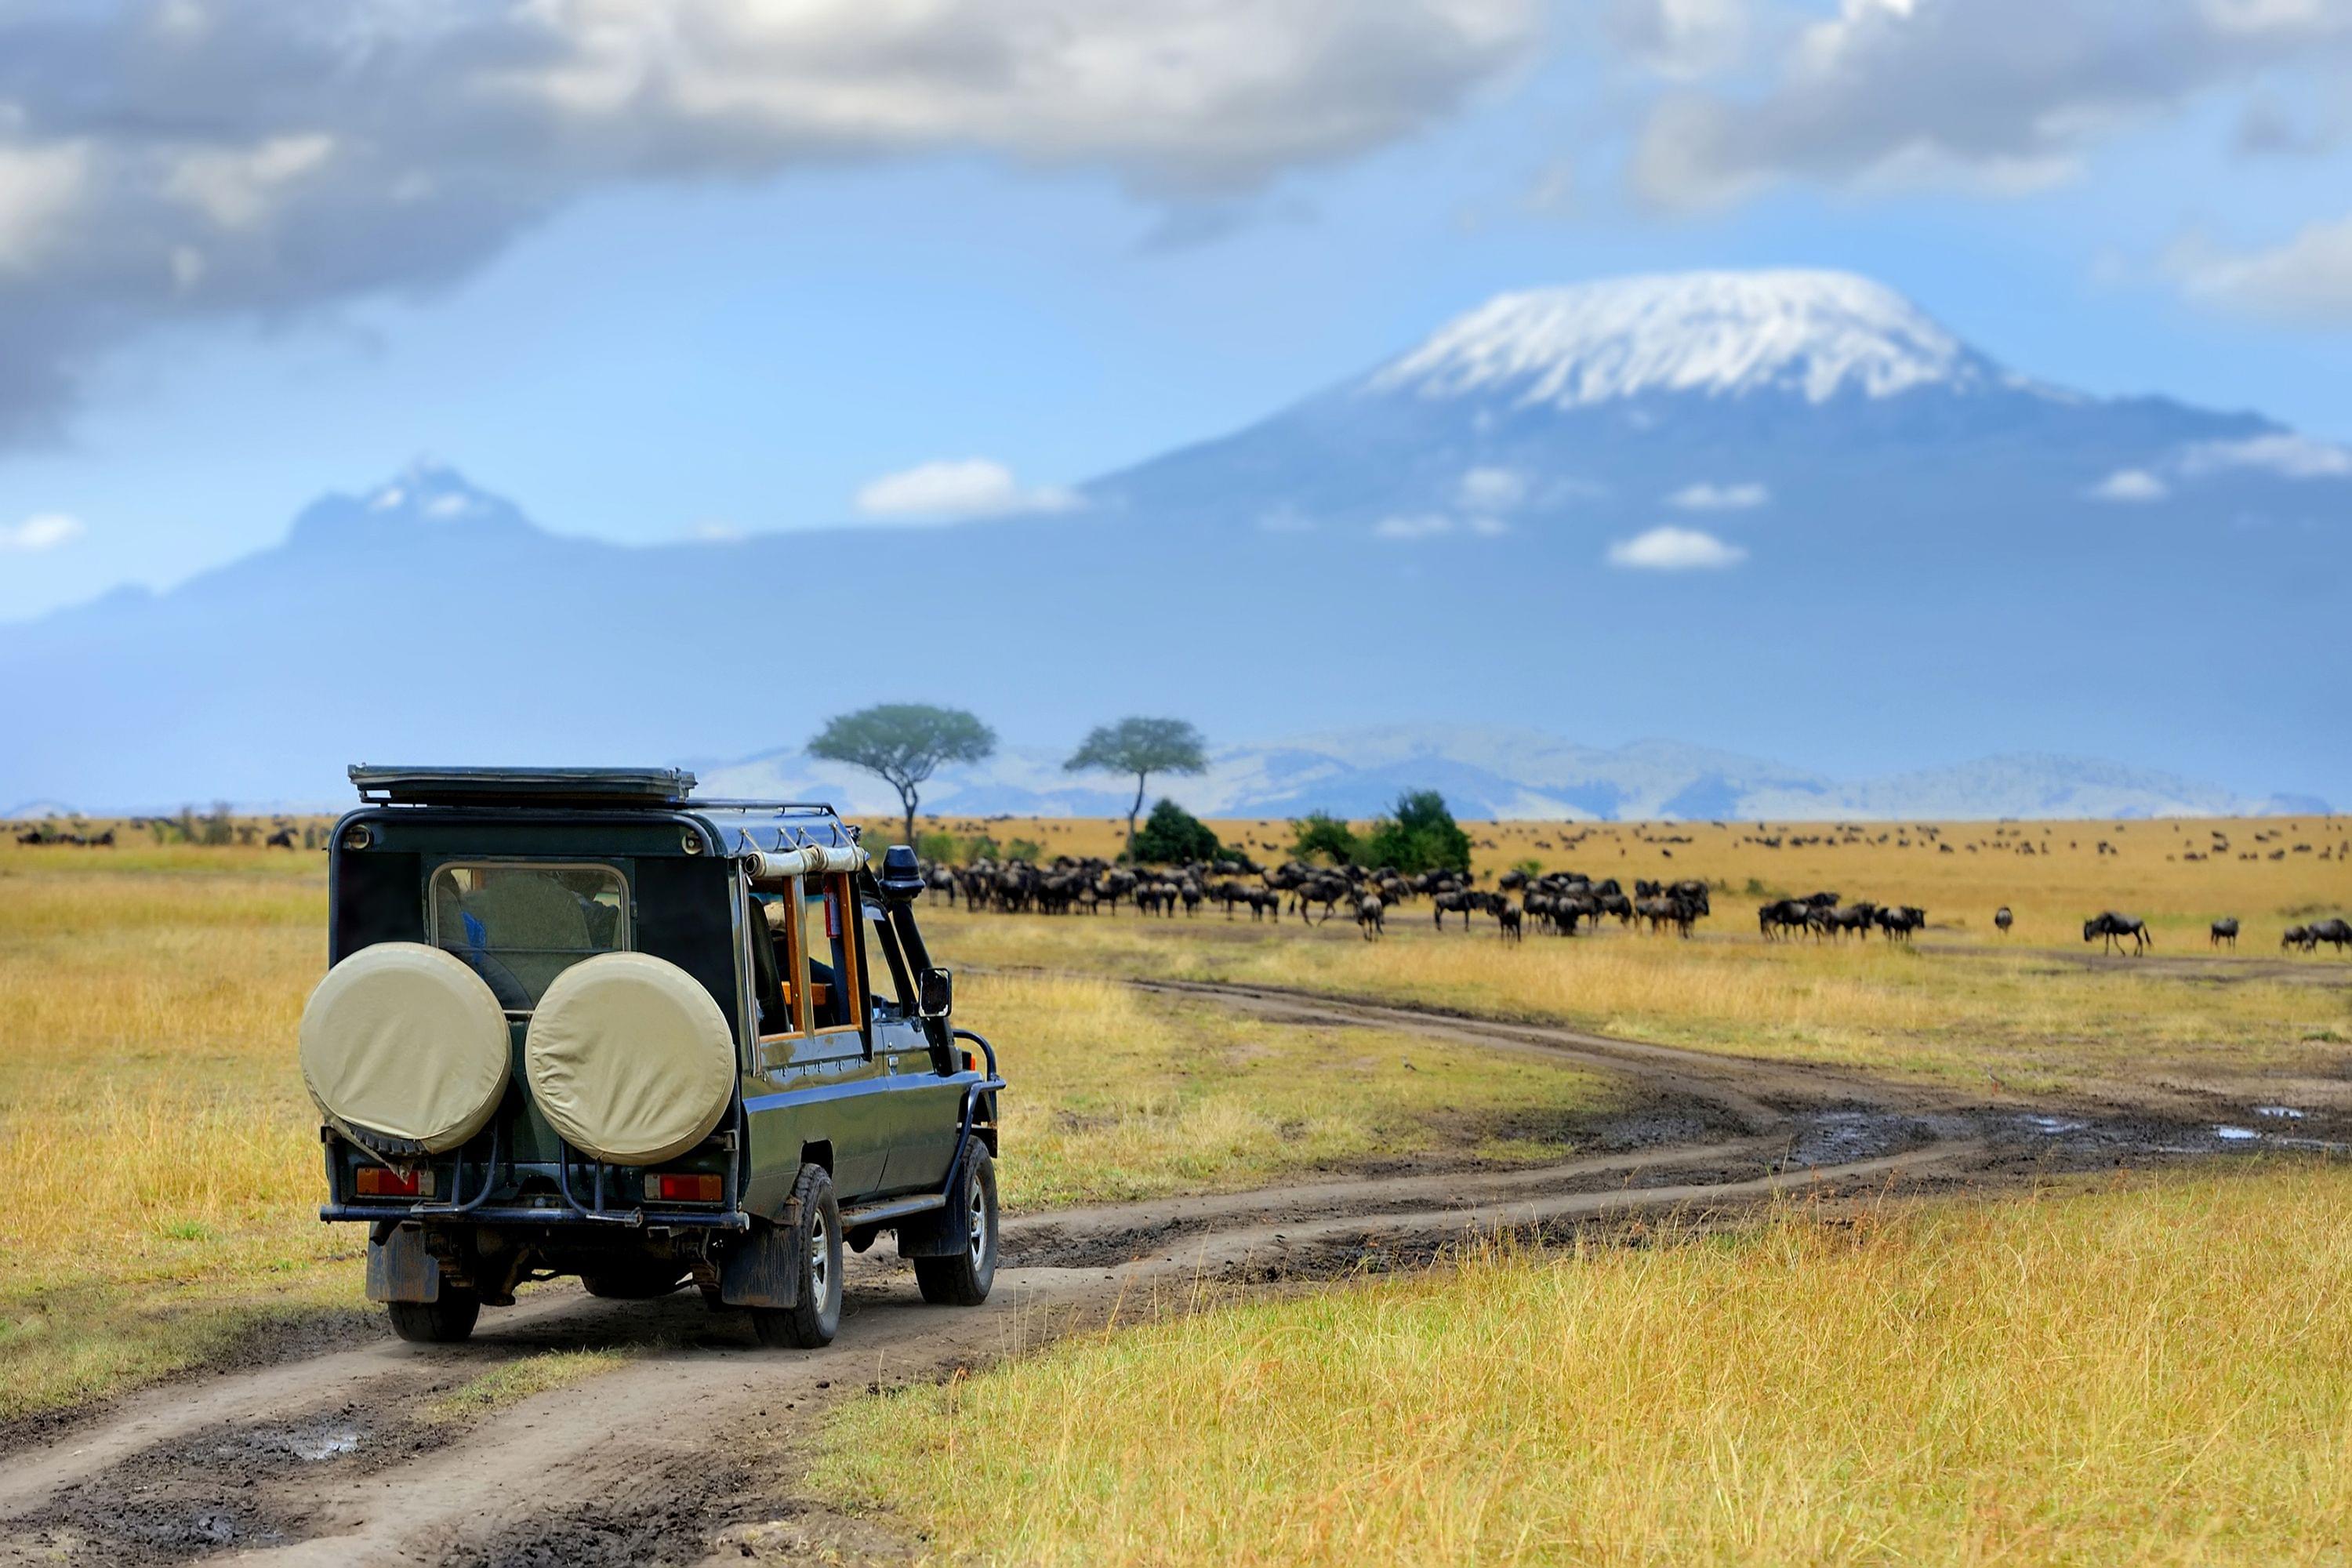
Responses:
[1118,1096]
[2021,1019]
[2158,1373]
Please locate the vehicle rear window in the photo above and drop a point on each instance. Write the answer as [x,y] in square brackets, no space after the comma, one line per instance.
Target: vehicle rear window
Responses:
[520,926]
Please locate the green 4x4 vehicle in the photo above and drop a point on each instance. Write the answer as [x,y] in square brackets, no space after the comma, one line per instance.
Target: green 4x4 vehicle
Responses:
[579,1023]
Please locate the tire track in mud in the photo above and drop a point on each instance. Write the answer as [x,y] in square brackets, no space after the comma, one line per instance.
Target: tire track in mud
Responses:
[656,1461]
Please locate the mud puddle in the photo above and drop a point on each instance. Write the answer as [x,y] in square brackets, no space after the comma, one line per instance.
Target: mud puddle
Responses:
[216,1489]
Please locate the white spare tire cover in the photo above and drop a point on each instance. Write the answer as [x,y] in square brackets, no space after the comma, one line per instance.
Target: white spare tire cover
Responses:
[630,1058]
[405,1041]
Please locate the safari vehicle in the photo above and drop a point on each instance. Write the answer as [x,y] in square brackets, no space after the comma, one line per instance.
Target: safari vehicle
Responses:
[579,1023]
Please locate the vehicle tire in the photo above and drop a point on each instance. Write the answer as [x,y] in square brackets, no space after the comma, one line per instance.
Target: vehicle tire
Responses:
[812,1233]
[442,1322]
[963,1278]
[633,1281]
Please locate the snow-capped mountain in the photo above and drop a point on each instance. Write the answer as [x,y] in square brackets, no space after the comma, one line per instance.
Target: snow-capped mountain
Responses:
[1813,334]
[1786,513]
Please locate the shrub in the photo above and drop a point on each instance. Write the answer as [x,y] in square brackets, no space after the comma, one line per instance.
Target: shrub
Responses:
[1172,835]
[1421,836]
[1319,833]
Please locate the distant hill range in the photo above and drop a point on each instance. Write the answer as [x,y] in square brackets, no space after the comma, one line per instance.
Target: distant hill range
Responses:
[1504,773]
[1785,512]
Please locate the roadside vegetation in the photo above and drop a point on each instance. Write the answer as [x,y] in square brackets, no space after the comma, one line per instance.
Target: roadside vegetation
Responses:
[2161,1371]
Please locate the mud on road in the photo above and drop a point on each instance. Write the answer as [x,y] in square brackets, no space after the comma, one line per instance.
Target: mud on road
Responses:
[685,1451]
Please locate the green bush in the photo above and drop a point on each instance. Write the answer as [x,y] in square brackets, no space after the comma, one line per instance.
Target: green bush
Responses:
[1172,835]
[1421,836]
[1027,849]
[1319,833]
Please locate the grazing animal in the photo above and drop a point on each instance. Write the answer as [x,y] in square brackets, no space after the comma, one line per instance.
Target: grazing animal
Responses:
[282,839]
[1508,922]
[2225,930]
[2114,928]
[2002,919]
[2295,936]
[1370,915]
[1897,924]
[2335,933]
[1456,902]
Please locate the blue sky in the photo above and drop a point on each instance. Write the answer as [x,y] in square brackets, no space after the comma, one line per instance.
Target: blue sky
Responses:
[738,322]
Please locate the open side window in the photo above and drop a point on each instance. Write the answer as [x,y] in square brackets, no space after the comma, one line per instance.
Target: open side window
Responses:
[807,962]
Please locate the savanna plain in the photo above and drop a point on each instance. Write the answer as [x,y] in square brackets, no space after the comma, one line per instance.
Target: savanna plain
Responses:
[2112,1325]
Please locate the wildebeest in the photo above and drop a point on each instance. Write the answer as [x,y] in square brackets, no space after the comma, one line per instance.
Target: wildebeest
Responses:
[1897,924]
[2225,930]
[2335,933]
[282,839]
[1507,920]
[2295,936]
[2114,926]
[1458,902]
[2002,919]
[1370,913]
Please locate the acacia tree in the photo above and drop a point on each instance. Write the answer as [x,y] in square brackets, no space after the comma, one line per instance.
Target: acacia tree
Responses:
[905,743]
[1142,747]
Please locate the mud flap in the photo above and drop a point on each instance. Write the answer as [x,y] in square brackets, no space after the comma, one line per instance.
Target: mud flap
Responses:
[759,1269]
[938,1234]
[400,1270]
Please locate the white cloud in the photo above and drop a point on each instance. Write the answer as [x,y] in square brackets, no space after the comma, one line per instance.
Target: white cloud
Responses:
[715,532]
[37,188]
[2001,97]
[1489,527]
[45,530]
[2307,280]
[2285,454]
[2130,485]
[1670,549]
[1705,495]
[951,490]
[1413,525]
[1493,490]
[181,160]
[1285,519]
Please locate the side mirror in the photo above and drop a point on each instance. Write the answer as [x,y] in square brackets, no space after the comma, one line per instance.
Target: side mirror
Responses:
[936,989]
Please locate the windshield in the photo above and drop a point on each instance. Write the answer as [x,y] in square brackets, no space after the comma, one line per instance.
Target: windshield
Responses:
[520,926]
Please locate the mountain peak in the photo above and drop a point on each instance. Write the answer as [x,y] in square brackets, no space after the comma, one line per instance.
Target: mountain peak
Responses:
[425,496]
[1814,334]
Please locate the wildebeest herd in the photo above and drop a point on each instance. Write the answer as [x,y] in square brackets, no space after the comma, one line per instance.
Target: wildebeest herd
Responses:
[56,835]
[1556,902]
[1822,914]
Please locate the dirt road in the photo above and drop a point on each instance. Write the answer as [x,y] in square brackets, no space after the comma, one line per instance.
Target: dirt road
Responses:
[687,1448]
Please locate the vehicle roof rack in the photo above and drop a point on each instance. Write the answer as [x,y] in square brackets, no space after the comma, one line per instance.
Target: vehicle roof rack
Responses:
[650,788]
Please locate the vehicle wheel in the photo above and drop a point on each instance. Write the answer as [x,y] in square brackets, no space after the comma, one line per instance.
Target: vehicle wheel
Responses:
[633,1281]
[814,1235]
[442,1322]
[964,1280]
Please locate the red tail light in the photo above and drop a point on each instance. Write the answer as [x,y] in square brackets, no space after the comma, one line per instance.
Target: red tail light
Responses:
[683,1189]
[382,1182]
[968,1065]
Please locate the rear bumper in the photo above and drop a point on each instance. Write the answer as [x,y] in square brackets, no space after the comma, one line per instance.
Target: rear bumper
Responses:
[537,1215]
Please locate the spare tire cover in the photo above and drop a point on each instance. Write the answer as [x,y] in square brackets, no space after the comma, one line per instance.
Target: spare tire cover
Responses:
[405,1041]
[630,1058]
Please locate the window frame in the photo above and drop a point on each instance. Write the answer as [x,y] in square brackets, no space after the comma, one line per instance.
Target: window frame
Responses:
[624,928]
[838,892]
